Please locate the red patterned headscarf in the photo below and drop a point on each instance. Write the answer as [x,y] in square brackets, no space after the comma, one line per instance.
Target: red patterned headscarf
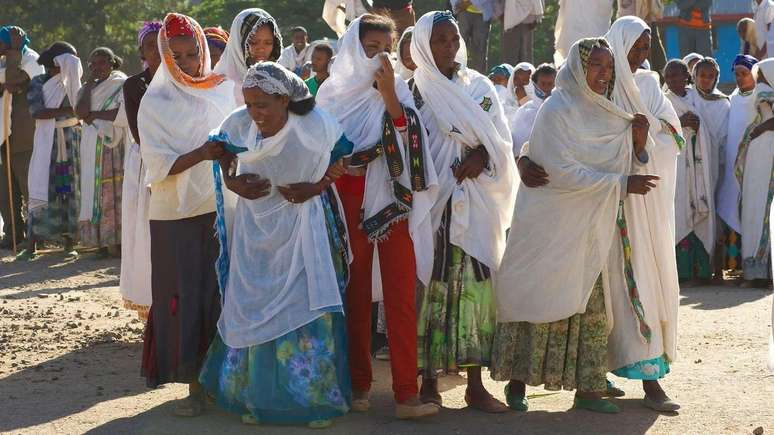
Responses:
[181,25]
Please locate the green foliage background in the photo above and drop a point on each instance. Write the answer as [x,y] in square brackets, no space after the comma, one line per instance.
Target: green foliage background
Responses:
[113,23]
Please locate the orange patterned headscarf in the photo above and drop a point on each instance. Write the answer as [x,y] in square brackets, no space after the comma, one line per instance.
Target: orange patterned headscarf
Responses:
[181,25]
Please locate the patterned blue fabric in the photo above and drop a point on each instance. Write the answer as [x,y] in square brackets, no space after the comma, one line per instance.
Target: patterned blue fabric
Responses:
[343,148]
[745,60]
[298,378]
[648,370]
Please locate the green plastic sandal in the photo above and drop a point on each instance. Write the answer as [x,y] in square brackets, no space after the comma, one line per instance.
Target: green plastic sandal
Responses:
[320,424]
[596,405]
[516,402]
[249,419]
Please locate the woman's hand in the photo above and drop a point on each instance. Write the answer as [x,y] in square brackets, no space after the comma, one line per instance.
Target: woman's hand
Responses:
[690,120]
[300,192]
[212,150]
[640,128]
[473,165]
[335,171]
[385,76]
[249,186]
[532,174]
[641,184]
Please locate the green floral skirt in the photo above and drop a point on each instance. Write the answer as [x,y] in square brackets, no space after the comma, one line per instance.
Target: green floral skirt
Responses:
[457,317]
[569,354]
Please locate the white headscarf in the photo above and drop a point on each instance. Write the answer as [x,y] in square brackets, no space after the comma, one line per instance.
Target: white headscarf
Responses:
[650,218]
[233,64]
[482,207]
[400,68]
[584,141]
[529,88]
[349,95]
[176,117]
[66,83]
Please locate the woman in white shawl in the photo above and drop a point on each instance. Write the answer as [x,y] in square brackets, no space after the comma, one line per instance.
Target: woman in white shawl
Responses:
[742,113]
[53,176]
[753,168]
[254,37]
[471,147]
[280,355]
[543,79]
[554,310]
[645,291]
[184,102]
[387,195]
[102,152]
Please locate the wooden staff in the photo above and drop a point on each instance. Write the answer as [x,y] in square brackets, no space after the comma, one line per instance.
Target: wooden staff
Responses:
[6,139]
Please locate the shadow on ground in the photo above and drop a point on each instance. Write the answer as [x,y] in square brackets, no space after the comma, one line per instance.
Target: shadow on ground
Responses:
[70,384]
[716,297]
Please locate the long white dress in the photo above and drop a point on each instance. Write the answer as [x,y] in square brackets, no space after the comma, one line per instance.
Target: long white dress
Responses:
[522,123]
[741,115]
[694,202]
[754,164]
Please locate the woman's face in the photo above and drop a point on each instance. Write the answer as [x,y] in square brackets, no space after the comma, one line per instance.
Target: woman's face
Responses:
[444,44]
[546,82]
[521,78]
[320,61]
[744,78]
[405,55]
[376,42]
[599,71]
[261,43]
[185,51]
[269,112]
[705,78]
[149,50]
[215,54]
[100,67]
[499,79]
[640,51]
[676,80]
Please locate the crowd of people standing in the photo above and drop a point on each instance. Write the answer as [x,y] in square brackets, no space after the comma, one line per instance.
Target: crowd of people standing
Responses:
[262,197]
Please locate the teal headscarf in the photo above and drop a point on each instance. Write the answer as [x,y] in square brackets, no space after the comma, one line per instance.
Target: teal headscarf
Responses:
[5,37]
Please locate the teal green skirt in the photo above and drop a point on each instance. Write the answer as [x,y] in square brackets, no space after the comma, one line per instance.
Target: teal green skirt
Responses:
[648,370]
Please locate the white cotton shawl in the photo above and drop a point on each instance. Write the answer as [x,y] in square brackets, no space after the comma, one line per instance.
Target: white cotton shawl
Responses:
[232,64]
[740,116]
[281,273]
[175,119]
[579,19]
[715,114]
[65,84]
[334,16]
[29,64]
[452,109]
[650,218]
[111,134]
[511,103]
[516,11]
[400,68]
[292,60]
[756,167]
[348,94]
[523,123]
[763,17]
[562,233]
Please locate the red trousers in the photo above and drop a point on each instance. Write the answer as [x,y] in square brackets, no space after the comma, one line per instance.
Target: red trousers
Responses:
[398,270]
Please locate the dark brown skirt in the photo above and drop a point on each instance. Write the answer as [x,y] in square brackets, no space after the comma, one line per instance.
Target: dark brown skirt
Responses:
[186,303]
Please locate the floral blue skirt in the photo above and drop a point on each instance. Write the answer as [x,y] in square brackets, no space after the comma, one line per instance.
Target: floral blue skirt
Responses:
[298,378]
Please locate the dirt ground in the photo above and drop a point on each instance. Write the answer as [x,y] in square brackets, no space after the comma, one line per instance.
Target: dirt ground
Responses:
[70,357]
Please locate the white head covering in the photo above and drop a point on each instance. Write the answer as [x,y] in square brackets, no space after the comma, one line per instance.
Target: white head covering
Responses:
[529,87]
[233,63]
[65,84]
[177,114]
[350,96]
[584,142]
[482,206]
[400,68]
[690,57]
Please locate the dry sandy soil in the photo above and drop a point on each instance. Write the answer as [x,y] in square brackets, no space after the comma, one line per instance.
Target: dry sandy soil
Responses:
[69,363]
